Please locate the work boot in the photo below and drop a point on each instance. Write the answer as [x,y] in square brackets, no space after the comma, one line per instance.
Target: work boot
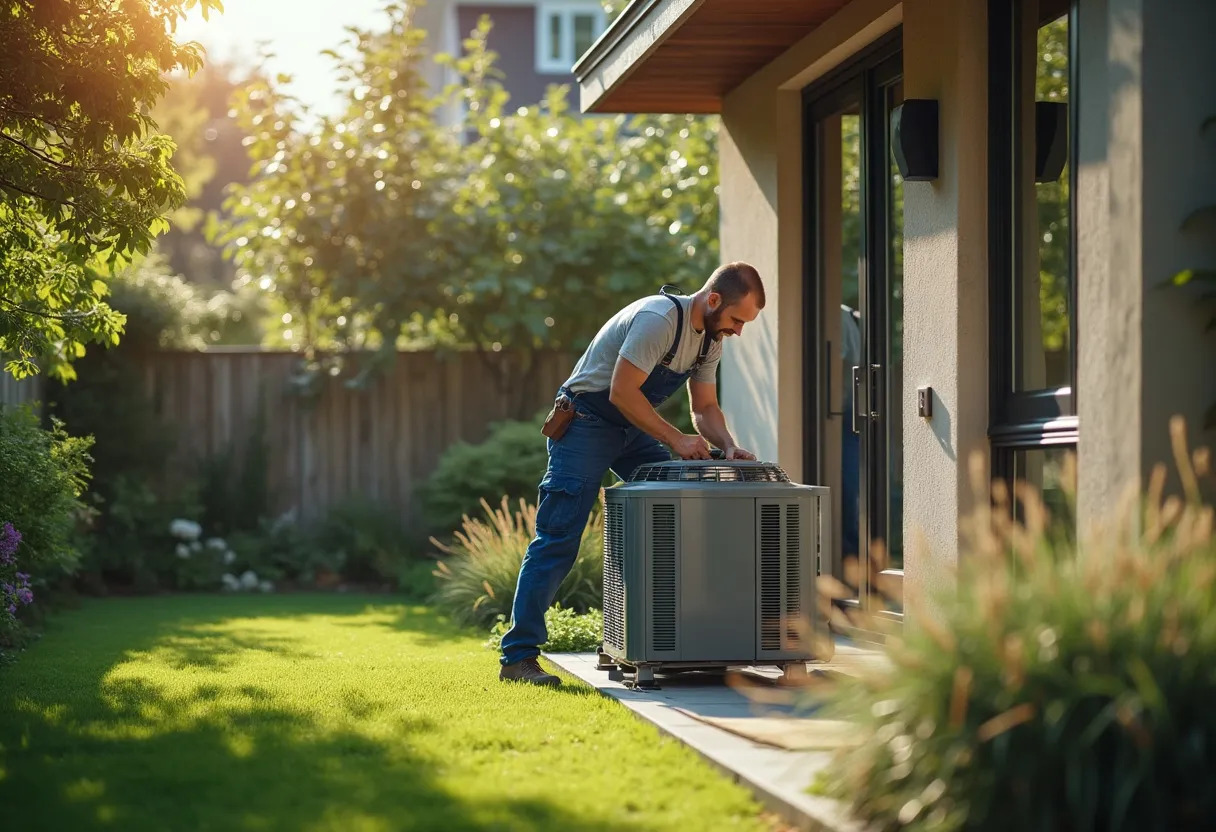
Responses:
[528,670]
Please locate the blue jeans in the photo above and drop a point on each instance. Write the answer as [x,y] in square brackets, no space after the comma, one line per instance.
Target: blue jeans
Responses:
[578,462]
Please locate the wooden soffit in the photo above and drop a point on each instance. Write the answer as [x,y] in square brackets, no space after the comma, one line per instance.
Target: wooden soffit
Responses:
[684,56]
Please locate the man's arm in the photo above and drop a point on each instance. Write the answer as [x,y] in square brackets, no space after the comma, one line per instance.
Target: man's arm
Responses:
[707,415]
[626,394]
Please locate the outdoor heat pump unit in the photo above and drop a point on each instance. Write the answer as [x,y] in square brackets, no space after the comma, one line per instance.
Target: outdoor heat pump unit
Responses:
[710,564]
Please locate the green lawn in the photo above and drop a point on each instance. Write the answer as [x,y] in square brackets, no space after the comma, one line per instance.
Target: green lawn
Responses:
[321,712]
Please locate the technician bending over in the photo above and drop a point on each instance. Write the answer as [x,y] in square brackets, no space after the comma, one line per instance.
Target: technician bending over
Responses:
[604,418]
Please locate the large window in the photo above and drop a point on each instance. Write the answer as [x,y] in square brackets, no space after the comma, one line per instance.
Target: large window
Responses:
[1032,252]
[564,33]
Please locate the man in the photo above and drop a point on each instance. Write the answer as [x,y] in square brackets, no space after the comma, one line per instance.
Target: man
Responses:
[605,419]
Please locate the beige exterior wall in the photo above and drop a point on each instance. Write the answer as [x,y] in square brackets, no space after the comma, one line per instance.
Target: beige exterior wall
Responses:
[945,286]
[1178,176]
[1146,88]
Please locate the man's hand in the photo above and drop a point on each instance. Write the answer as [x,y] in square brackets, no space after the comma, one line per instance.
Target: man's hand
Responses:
[739,453]
[691,447]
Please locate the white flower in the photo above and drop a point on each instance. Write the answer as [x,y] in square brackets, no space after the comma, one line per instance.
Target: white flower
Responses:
[196,546]
[183,551]
[216,544]
[229,557]
[230,582]
[249,580]
[284,521]
[186,530]
[266,586]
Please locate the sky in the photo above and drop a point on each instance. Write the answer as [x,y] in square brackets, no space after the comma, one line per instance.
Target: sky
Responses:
[294,30]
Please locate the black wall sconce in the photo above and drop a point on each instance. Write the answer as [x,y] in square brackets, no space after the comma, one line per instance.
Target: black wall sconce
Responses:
[914,139]
[1050,140]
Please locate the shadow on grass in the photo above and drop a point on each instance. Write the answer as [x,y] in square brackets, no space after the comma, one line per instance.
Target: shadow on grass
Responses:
[82,748]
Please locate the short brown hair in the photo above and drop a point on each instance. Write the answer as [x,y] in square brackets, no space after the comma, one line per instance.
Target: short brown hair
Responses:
[735,281]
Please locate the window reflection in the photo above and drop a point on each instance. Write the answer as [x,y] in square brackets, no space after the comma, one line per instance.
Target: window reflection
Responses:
[1042,285]
[1049,471]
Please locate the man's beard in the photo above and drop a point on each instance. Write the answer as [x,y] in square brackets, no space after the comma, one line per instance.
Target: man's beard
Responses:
[713,320]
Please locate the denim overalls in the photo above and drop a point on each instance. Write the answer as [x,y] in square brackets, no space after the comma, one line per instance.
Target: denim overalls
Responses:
[599,439]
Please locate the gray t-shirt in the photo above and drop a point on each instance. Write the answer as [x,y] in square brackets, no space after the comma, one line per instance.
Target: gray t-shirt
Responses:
[642,333]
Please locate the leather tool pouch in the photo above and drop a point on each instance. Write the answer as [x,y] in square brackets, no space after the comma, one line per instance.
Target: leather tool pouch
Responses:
[559,418]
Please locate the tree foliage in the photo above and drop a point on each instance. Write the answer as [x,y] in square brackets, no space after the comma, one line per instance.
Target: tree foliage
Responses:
[517,229]
[85,178]
[211,154]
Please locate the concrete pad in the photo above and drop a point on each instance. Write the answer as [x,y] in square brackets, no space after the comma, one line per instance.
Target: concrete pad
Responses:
[778,777]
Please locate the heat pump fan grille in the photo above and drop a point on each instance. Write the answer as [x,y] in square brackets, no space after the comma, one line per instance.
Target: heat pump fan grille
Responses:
[770,577]
[614,577]
[710,471]
[793,573]
[663,580]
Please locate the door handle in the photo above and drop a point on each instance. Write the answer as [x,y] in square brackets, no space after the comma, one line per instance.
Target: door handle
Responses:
[875,392]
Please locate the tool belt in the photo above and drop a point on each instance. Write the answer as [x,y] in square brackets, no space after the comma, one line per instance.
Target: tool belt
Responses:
[559,418]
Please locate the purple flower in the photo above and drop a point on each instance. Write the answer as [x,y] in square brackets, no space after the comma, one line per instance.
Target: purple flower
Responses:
[12,609]
[10,539]
[25,596]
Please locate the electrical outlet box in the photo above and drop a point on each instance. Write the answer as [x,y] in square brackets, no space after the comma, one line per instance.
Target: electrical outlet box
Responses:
[924,402]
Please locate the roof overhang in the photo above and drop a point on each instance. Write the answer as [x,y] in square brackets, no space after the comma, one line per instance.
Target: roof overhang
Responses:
[685,56]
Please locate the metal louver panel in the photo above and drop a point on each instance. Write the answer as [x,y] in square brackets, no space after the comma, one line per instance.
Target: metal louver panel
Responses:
[770,577]
[793,573]
[663,578]
[614,576]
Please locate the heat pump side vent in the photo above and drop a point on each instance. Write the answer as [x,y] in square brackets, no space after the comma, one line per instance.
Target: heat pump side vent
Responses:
[770,577]
[614,576]
[793,573]
[663,578]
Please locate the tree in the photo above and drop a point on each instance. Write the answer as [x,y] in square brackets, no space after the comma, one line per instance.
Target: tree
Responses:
[556,219]
[211,155]
[85,179]
[518,231]
[333,224]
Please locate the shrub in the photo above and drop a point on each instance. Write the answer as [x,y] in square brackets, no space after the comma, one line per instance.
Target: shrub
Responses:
[416,580]
[135,494]
[1061,690]
[367,538]
[133,546]
[42,475]
[568,632]
[510,463]
[283,550]
[477,580]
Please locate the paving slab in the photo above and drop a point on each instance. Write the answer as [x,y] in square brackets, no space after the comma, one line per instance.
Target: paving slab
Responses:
[778,777]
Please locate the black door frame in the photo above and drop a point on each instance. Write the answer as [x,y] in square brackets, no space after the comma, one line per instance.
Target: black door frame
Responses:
[862,79]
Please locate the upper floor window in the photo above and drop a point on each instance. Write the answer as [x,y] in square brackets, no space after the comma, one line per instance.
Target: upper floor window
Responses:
[564,33]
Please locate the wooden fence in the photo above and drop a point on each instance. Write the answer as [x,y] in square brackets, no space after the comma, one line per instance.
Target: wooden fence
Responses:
[13,392]
[380,442]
